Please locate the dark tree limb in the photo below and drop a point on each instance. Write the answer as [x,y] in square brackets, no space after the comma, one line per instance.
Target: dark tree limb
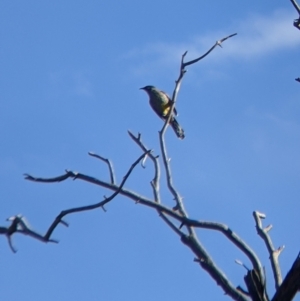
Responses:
[291,283]
[256,286]
[274,253]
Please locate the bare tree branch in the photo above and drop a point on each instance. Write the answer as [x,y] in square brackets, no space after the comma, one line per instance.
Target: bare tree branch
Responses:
[208,265]
[139,199]
[296,21]
[58,219]
[182,71]
[110,167]
[232,236]
[274,254]
[19,225]
[297,7]
[218,43]
[155,182]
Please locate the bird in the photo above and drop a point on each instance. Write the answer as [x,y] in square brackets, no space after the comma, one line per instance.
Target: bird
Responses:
[161,104]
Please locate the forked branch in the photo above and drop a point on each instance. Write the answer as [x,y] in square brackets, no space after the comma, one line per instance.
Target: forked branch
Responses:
[18,222]
[109,164]
[274,253]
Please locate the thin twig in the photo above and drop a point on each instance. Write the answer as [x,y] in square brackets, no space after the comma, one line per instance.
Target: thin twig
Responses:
[179,204]
[218,43]
[274,254]
[156,179]
[155,182]
[110,167]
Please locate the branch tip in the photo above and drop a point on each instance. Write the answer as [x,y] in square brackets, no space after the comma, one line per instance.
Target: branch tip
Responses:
[239,262]
[260,214]
[268,228]
[53,240]
[64,223]
[280,249]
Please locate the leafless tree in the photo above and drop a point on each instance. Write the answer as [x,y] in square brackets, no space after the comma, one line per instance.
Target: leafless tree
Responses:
[177,218]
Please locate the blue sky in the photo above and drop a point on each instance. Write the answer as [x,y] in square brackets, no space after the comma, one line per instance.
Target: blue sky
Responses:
[70,79]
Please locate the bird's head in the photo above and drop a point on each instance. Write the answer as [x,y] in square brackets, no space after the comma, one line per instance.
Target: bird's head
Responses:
[148,89]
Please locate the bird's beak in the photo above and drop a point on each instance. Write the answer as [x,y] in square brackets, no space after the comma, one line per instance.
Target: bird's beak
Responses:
[142,88]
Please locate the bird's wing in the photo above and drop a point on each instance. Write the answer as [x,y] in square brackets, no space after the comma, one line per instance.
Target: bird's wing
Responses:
[170,102]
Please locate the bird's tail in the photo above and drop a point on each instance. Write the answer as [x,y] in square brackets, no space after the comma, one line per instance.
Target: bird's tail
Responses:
[177,128]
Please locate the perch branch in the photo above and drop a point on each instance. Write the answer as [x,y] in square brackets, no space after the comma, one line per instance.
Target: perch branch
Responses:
[182,71]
